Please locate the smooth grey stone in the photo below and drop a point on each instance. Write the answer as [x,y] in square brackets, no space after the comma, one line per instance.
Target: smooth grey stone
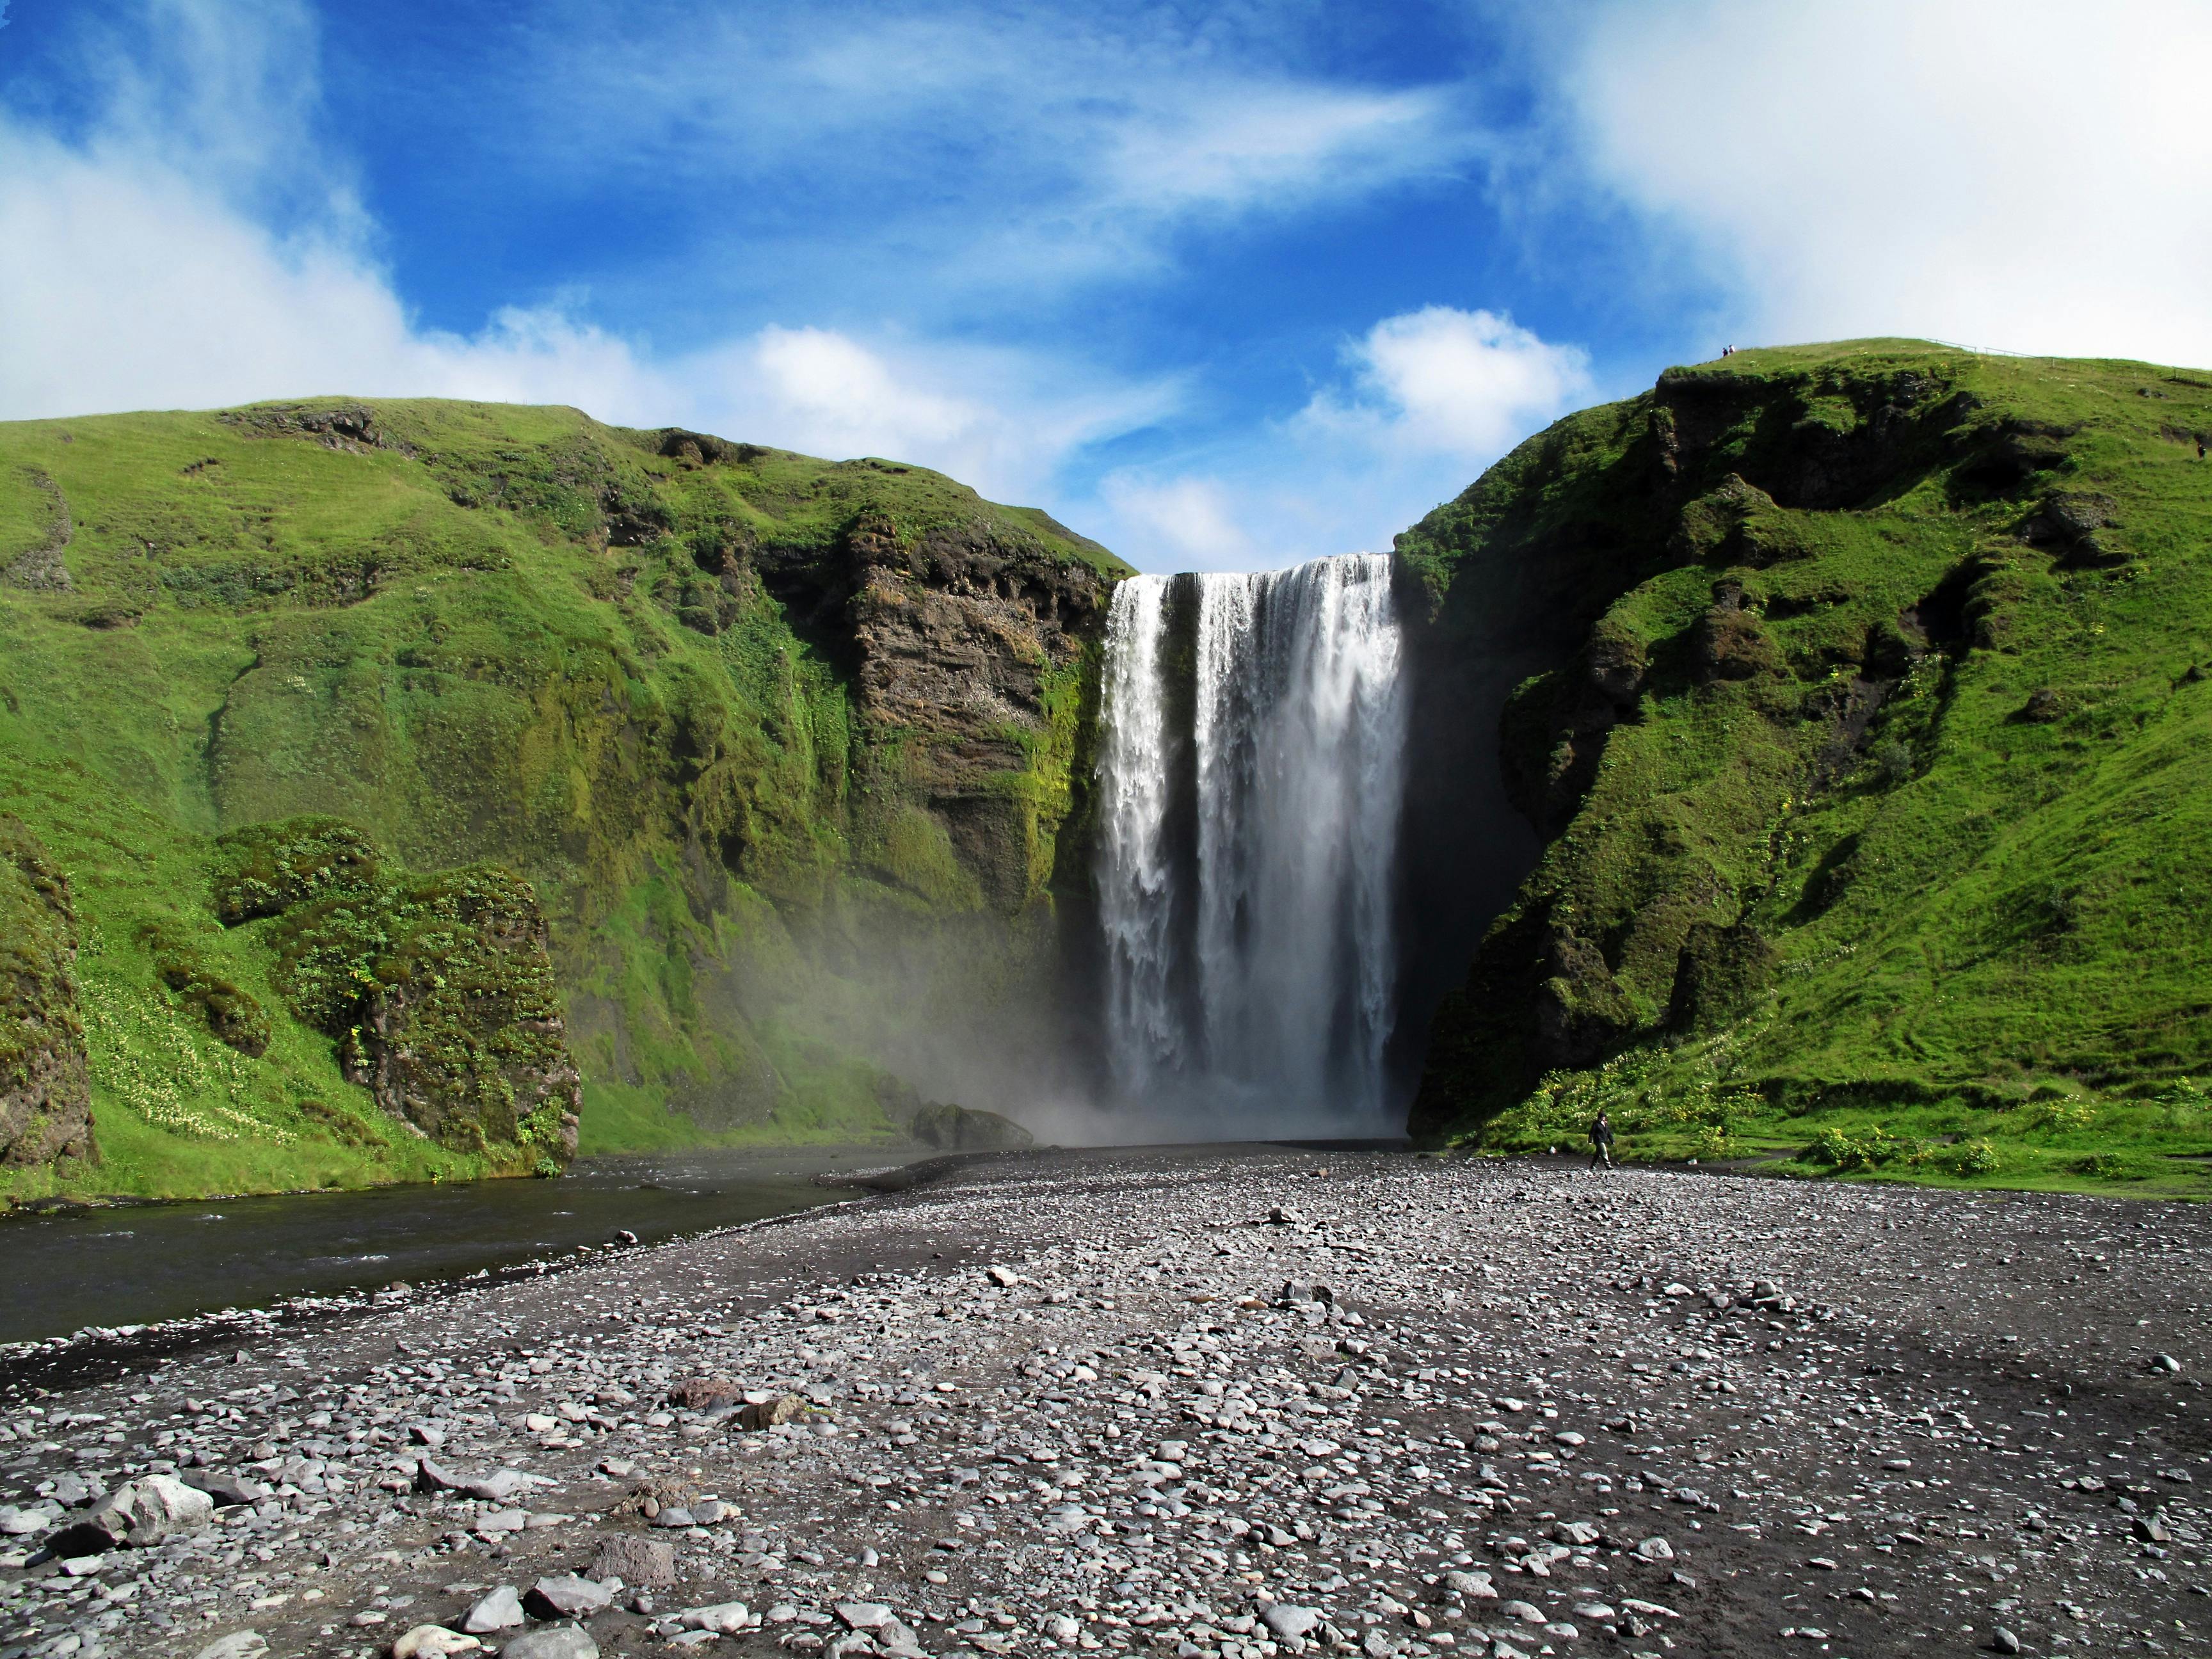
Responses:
[559,1642]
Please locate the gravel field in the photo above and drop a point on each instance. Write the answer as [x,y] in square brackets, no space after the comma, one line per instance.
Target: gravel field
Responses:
[1185,1401]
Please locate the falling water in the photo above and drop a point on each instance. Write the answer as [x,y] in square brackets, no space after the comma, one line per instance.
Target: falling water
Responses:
[1250,771]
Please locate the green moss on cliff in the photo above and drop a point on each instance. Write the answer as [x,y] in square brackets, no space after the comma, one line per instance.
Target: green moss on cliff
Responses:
[1868,751]
[44,1103]
[631,668]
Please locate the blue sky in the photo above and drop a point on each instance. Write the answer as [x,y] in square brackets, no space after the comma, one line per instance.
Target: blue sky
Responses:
[1224,285]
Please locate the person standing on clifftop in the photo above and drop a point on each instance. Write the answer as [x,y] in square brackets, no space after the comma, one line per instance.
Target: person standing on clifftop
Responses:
[1601,1140]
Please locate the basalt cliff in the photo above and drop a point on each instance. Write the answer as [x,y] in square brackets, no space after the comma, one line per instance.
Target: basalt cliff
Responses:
[1853,701]
[400,789]
[1804,765]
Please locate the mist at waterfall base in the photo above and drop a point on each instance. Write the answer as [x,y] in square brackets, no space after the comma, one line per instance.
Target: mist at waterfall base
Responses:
[1249,786]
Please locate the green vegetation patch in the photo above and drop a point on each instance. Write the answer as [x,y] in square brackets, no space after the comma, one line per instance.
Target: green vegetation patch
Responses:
[1868,754]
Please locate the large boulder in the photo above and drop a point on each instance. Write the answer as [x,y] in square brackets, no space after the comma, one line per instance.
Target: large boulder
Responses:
[962,1129]
[136,1514]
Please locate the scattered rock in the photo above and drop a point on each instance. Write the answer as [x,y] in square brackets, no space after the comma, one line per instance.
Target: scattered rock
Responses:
[227,1490]
[139,1513]
[723,1618]
[433,1642]
[771,1413]
[706,1394]
[558,1641]
[636,1561]
[566,1595]
[501,1610]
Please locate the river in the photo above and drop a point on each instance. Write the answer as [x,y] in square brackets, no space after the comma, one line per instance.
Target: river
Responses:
[68,1270]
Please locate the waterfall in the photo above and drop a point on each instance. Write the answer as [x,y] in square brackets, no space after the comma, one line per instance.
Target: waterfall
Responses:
[1250,770]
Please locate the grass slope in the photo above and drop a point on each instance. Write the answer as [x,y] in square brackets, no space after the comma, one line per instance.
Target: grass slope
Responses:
[1872,759]
[480,633]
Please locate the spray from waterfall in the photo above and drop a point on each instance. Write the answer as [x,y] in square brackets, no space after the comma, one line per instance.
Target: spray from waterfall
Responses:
[1251,772]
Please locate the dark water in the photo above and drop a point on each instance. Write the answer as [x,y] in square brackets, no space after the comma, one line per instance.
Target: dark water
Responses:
[136,1264]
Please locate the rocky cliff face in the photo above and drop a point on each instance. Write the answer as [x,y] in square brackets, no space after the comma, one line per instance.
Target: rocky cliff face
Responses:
[792,753]
[1788,637]
[45,1104]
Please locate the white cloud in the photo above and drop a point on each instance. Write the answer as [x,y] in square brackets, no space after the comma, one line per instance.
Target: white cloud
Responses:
[139,270]
[1184,523]
[1003,422]
[1429,398]
[1448,382]
[2027,174]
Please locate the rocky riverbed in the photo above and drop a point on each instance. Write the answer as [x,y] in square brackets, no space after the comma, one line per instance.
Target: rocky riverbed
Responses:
[1185,1402]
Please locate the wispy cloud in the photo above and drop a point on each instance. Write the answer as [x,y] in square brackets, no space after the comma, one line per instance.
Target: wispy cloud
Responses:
[984,148]
[1186,523]
[143,264]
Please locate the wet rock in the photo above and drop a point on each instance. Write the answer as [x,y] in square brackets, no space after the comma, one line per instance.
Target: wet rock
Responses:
[965,1129]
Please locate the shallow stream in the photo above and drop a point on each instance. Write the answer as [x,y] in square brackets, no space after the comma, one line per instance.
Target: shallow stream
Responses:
[135,1265]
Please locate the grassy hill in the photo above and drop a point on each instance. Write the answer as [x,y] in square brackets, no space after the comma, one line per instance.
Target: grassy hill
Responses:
[1866,724]
[731,737]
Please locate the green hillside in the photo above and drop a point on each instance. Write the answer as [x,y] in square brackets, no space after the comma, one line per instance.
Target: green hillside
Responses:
[738,736]
[1869,739]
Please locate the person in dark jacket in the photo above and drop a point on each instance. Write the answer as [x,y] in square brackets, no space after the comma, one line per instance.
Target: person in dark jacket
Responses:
[1601,1140]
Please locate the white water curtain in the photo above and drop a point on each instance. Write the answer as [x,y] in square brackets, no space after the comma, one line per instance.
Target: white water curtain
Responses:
[1251,956]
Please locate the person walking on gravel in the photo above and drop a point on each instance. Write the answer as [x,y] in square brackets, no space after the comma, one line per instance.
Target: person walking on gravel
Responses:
[1601,1140]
